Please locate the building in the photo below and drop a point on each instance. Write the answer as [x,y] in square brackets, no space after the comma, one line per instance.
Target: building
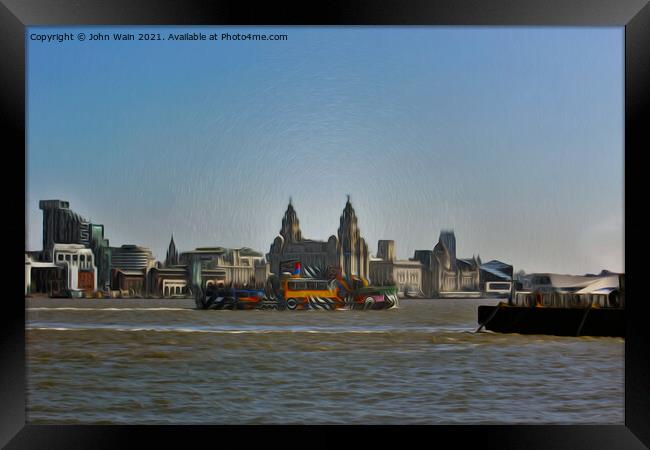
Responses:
[77,257]
[352,249]
[172,254]
[130,265]
[495,276]
[495,271]
[102,251]
[169,279]
[577,291]
[72,271]
[61,225]
[386,250]
[557,283]
[73,256]
[165,282]
[132,283]
[78,262]
[131,257]
[386,269]
[445,275]
[224,265]
[262,272]
[346,250]
[182,272]
[289,245]
[43,277]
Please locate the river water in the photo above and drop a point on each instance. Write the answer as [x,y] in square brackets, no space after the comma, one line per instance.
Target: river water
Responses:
[162,361]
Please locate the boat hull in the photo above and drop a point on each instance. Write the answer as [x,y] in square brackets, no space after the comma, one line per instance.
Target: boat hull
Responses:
[373,301]
[553,321]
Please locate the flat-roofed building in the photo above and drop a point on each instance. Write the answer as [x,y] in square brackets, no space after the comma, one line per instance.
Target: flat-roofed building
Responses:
[496,276]
[130,265]
[79,264]
[43,277]
[386,269]
[166,282]
[132,257]
[129,282]
[225,265]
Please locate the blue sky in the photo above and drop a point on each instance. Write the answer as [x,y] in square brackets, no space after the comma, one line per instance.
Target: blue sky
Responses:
[513,137]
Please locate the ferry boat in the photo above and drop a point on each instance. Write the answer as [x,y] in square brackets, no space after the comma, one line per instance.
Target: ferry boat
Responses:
[220,297]
[302,289]
[310,293]
[561,305]
[314,288]
[374,297]
[360,295]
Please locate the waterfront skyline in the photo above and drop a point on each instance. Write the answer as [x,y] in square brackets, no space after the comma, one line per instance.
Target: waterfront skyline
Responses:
[513,137]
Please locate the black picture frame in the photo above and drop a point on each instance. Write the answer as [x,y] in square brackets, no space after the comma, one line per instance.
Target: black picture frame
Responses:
[634,15]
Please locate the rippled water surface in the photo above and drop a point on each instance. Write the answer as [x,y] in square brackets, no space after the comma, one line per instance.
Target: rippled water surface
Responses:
[162,361]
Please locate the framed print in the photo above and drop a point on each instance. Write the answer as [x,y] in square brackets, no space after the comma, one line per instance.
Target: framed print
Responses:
[360,216]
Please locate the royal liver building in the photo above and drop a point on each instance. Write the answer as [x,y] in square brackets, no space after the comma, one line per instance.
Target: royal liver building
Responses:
[347,250]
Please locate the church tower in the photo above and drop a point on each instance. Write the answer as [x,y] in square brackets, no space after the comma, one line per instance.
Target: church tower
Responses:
[282,244]
[353,250]
[448,238]
[172,254]
[291,225]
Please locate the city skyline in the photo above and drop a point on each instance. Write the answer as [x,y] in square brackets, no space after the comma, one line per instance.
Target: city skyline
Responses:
[181,250]
[511,137]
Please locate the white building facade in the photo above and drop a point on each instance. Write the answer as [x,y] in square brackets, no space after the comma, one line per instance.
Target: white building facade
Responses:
[386,269]
[79,262]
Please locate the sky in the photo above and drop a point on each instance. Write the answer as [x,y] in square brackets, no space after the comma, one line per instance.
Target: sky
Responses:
[512,137]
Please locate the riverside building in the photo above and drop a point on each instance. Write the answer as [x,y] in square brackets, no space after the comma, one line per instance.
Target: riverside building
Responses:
[243,267]
[346,250]
[445,275]
[386,269]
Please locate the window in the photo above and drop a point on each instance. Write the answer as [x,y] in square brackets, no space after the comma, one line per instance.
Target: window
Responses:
[297,285]
[74,258]
[82,258]
[67,257]
[59,257]
[317,285]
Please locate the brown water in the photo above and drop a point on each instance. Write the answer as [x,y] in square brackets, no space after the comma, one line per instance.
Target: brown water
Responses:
[161,361]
